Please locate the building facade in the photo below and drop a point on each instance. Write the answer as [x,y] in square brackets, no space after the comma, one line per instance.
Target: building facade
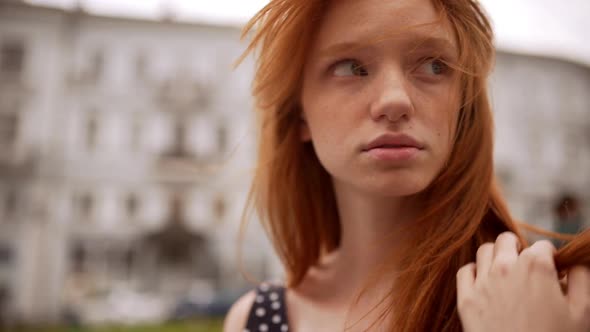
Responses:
[126,158]
[126,148]
[542,135]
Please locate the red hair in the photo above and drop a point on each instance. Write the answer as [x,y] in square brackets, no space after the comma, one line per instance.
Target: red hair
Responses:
[293,195]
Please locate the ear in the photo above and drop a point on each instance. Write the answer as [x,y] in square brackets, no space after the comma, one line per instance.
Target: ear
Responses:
[304,132]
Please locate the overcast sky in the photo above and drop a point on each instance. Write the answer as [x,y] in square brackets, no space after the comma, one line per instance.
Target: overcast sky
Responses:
[549,27]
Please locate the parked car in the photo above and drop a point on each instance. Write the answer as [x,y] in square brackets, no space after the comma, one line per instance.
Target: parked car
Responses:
[190,307]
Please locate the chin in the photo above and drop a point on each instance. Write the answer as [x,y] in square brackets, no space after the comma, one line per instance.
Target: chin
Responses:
[398,190]
[397,185]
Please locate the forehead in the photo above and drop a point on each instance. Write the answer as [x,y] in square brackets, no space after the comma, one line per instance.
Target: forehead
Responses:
[372,21]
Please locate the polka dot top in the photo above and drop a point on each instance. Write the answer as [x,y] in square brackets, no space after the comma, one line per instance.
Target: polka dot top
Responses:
[268,312]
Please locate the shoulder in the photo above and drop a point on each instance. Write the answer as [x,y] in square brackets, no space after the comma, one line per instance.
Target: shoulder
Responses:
[237,317]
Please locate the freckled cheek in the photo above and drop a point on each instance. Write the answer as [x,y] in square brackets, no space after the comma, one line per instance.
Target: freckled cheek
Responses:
[330,111]
[331,136]
[439,130]
[325,129]
[332,131]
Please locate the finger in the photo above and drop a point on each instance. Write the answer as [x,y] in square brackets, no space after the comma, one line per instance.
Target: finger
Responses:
[505,252]
[578,286]
[465,279]
[483,261]
[539,259]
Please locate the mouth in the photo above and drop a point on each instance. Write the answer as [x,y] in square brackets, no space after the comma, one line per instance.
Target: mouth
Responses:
[393,148]
[394,141]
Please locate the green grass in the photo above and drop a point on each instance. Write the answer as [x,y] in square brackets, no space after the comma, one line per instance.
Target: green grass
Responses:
[188,326]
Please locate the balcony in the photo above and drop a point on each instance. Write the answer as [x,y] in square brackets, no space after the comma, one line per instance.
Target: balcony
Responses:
[183,94]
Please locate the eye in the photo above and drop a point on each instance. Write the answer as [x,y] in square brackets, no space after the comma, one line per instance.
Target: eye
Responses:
[349,68]
[434,67]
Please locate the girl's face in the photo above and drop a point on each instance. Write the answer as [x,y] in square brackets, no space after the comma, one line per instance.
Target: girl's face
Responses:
[379,103]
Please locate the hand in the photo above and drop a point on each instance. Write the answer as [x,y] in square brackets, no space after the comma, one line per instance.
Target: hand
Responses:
[505,291]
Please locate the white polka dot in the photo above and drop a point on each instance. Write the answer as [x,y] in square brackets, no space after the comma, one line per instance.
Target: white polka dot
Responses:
[260,312]
[276,319]
[274,296]
[264,287]
[284,328]
[263,327]
[275,305]
[259,299]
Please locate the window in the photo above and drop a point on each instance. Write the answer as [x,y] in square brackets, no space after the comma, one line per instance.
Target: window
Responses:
[136,137]
[8,129]
[222,138]
[85,205]
[96,66]
[141,66]
[204,100]
[10,204]
[12,57]
[91,133]
[6,255]
[179,141]
[78,257]
[132,205]
[129,261]
[219,208]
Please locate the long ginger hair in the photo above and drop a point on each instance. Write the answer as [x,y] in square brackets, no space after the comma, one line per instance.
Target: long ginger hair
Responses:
[294,198]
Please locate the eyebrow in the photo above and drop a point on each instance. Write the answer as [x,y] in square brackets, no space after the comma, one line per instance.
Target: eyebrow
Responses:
[340,47]
[435,42]
[415,42]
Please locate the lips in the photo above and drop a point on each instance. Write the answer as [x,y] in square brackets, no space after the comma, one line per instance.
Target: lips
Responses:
[393,141]
[393,149]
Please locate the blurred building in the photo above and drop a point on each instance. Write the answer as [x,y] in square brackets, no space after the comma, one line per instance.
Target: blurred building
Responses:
[542,139]
[125,147]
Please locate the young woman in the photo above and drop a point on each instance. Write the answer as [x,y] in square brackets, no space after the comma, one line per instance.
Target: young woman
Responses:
[375,178]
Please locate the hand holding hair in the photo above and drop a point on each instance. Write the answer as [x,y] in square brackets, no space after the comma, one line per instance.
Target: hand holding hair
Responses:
[505,290]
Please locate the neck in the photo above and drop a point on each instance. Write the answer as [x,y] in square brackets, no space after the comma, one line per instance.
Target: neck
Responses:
[372,232]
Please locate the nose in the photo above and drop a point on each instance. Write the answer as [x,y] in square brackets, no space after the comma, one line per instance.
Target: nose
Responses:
[390,98]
